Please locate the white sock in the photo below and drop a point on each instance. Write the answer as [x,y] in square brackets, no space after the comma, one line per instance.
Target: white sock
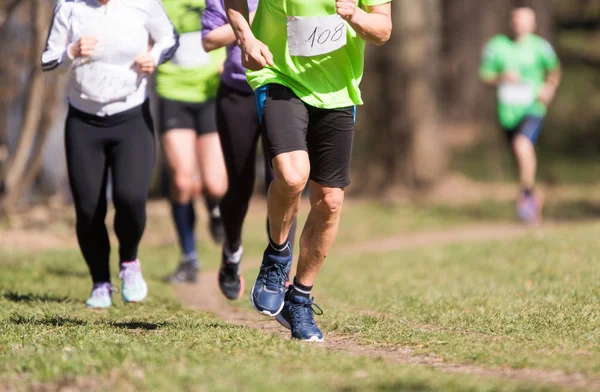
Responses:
[233,257]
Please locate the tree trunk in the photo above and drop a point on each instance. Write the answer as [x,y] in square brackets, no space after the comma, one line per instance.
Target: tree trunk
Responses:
[407,140]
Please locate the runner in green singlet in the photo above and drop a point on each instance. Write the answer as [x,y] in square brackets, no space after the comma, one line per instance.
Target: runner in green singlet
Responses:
[187,86]
[306,59]
[526,72]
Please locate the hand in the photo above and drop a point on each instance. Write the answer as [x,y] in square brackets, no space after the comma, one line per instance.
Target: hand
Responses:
[255,55]
[511,77]
[346,9]
[546,94]
[83,47]
[144,63]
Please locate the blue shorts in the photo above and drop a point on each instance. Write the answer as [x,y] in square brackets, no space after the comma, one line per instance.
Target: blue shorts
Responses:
[530,127]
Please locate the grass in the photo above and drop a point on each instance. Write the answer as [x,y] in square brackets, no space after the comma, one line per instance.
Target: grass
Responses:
[48,338]
[533,302]
[525,303]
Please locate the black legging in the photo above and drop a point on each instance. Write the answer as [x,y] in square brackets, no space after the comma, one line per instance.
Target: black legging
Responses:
[239,131]
[123,143]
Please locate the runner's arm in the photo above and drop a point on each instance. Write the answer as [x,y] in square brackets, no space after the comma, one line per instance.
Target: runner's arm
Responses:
[239,16]
[489,70]
[548,90]
[216,31]
[59,42]
[220,36]
[255,54]
[373,24]
[217,38]
[553,73]
[162,32]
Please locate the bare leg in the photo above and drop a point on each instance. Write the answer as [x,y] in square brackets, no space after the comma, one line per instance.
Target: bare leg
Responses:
[319,232]
[526,159]
[283,200]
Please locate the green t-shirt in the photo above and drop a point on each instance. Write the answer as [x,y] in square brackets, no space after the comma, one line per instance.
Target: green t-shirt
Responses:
[313,62]
[192,75]
[531,58]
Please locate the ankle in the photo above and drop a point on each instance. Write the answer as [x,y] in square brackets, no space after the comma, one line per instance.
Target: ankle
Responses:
[300,289]
[281,248]
[527,191]
[233,256]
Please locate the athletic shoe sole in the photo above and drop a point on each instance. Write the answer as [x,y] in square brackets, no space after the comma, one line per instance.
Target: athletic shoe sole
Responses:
[287,325]
[264,312]
[133,301]
[98,307]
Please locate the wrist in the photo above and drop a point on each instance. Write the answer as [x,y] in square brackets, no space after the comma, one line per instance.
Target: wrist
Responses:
[358,16]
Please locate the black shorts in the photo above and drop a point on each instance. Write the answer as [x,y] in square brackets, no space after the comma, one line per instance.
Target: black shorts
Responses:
[187,115]
[288,124]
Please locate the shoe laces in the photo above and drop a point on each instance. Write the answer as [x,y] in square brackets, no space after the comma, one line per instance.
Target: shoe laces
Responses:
[274,276]
[101,290]
[303,312]
[130,274]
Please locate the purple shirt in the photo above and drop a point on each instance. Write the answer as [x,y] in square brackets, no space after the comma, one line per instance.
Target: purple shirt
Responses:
[234,74]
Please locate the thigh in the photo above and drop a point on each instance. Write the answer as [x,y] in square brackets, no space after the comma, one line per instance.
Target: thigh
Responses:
[205,117]
[330,138]
[132,160]
[237,122]
[210,159]
[86,164]
[179,146]
[174,115]
[284,120]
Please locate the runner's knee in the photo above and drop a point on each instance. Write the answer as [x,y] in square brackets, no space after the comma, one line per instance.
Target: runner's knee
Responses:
[293,175]
[182,188]
[215,189]
[329,201]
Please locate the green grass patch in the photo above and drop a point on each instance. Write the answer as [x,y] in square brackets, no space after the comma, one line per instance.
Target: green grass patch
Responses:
[49,340]
[531,302]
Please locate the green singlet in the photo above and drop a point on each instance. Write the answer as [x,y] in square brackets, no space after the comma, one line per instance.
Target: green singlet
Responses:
[315,53]
[531,59]
[192,75]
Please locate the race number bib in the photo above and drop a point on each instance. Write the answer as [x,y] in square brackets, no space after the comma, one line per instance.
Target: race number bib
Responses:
[516,94]
[190,53]
[103,82]
[315,35]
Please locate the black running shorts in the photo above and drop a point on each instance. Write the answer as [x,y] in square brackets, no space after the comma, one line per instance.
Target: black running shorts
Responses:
[200,117]
[288,124]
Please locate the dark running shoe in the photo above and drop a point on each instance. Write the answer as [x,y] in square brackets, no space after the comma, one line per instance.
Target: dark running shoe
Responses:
[187,272]
[268,292]
[231,282]
[216,228]
[298,316]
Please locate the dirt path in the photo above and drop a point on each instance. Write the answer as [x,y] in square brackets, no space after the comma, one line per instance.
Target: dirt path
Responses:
[205,296]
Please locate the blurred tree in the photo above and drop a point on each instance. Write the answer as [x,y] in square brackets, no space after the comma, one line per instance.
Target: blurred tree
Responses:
[30,100]
[402,140]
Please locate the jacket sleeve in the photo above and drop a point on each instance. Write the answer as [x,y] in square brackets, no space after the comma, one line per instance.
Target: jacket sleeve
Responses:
[56,53]
[163,33]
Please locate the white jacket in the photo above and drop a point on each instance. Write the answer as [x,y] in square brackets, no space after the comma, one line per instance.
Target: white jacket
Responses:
[107,83]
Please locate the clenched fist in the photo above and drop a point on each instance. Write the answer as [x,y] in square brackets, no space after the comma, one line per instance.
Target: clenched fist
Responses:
[144,63]
[83,47]
[346,9]
[255,55]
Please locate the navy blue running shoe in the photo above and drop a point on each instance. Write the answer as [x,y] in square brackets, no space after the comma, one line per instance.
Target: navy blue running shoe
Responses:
[268,293]
[298,315]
